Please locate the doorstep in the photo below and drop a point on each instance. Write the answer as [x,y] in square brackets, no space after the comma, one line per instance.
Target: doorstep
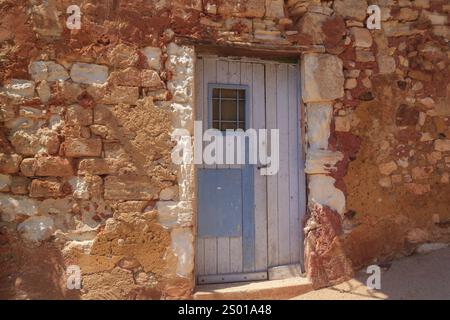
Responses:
[258,290]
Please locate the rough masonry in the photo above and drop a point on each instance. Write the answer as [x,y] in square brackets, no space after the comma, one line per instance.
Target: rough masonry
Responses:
[85,136]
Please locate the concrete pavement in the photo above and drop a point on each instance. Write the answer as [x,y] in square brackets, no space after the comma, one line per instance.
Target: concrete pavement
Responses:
[421,276]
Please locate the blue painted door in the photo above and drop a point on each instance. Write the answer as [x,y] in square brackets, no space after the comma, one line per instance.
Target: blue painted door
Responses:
[242,230]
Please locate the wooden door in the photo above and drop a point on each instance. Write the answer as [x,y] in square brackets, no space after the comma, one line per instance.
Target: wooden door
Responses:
[248,222]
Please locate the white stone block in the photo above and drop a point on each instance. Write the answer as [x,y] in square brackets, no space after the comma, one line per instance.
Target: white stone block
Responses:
[36,228]
[153,55]
[318,119]
[322,77]
[323,192]
[89,73]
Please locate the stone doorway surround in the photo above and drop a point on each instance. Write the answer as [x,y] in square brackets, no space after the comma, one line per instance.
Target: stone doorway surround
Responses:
[322,83]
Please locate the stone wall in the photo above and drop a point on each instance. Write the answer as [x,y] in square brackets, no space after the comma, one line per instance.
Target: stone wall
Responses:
[86,116]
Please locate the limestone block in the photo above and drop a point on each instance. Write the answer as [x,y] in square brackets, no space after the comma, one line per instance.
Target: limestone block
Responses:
[252,9]
[89,73]
[18,88]
[419,173]
[19,185]
[123,56]
[408,14]
[9,163]
[343,123]
[97,166]
[48,71]
[322,77]
[396,29]
[351,83]
[28,167]
[5,182]
[442,145]
[183,248]
[43,90]
[83,147]
[130,188]
[45,188]
[418,189]
[323,192]
[322,161]
[169,193]
[37,228]
[31,143]
[11,206]
[353,9]
[86,187]
[174,213]
[318,117]
[45,20]
[115,94]
[53,167]
[77,115]
[436,19]
[310,25]
[362,37]
[139,78]
[153,55]
[274,9]
[364,55]
[388,168]
[386,64]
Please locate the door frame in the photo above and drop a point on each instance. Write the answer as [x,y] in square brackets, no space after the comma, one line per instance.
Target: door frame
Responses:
[301,141]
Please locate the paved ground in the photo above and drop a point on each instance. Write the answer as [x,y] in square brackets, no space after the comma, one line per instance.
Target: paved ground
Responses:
[425,276]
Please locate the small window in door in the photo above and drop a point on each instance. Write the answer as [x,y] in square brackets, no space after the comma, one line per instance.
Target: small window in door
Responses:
[227,106]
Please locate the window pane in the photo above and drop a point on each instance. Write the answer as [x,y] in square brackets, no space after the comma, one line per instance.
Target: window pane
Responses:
[229,112]
[229,93]
[228,125]
[241,110]
[215,114]
[228,108]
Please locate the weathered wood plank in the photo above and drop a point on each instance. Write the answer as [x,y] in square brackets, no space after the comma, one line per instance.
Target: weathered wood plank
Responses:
[210,255]
[209,76]
[260,189]
[200,257]
[283,173]
[272,180]
[294,126]
[235,242]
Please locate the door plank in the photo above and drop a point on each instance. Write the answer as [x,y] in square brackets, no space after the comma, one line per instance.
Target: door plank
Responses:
[223,255]
[248,219]
[260,189]
[283,174]
[234,68]
[210,255]
[200,244]
[294,125]
[222,78]
[209,76]
[200,256]
[272,180]
[200,95]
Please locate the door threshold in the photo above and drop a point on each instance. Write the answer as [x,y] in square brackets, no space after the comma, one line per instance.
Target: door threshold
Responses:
[258,290]
[232,277]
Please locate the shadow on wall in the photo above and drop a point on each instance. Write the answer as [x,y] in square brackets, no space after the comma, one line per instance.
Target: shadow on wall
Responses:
[32,272]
